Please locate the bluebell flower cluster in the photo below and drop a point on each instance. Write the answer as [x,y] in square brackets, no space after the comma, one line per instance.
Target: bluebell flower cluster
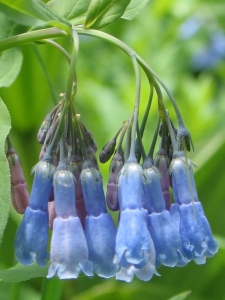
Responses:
[197,240]
[67,195]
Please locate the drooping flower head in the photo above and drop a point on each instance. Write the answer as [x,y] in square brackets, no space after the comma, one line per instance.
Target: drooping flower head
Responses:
[69,251]
[135,251]
[32,236]
[197,240]
[100,231]
[164,232]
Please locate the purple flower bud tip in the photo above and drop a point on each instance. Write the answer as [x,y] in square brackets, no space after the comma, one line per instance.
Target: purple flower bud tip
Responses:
[81,210]
[162,164]
[20,197]
[15,168]
[115,168]
[107,151]
[19,193]
[112,197]
[167,199]
[41,136]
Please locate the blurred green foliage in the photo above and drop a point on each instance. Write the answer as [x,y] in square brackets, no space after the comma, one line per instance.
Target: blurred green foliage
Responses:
[106,92]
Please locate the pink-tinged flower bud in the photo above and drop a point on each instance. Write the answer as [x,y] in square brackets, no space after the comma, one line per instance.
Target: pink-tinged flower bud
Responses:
[42,152]
[51,213]
[19,193]
[162,164]
[75,168]
[44,128]
[112,196]
[20,197]
[112,188]
[81,210]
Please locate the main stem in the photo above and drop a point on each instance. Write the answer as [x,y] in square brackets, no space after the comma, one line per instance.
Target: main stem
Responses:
[32,36]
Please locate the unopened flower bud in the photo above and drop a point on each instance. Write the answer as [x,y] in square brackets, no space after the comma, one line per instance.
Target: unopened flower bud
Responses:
[44,129]
[107,151]
[162,164]
[112,188]
[19,193]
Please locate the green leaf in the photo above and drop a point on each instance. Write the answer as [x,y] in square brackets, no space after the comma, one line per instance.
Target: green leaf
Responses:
[10,60]
[134,8]
[5,125]
[21,273]
[10,65]
[73,10]
[180,296]
[33,12]
[104,12]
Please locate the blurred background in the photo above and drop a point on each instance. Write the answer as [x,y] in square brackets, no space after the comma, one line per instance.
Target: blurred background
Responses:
[184,42]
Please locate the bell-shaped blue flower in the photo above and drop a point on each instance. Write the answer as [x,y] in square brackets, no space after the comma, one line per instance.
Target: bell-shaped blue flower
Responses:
[197,240]
[69,251]
[135,251]
[32,236]
[100,230]
[164,232]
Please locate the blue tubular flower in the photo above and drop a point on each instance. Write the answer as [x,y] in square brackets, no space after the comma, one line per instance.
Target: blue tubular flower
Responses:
[164,232]
[92,190]
[100,231]
[69,251]
[198,242]
[32,236]
[134,247]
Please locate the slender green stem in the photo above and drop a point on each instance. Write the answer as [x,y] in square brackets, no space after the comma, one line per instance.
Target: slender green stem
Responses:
[176,109]
[69,89]
[59,47]
[106,37]
[124,127]
[71,82]
[172,134]
[80,137]
[53,92]
[136,109]
[128,139]
[152,148]
[162,110]
[145,118]
[129,51]
[31,36]
[140,144]
[9,144]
